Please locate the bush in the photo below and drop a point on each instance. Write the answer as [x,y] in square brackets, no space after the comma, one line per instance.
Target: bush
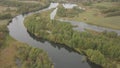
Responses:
[117,13]
[3,34]
[113,11]
[110,10]
[101,7]
[87,3]
[96,56]
[5,16]
[110,34]
[62,12]
[33,57]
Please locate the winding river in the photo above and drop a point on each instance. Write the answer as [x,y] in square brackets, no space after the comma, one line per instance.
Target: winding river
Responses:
[61,55]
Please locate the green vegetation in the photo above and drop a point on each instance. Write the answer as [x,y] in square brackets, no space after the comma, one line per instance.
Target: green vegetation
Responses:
[25,7]
[29,57]
[3,34]
[5,16]
[14,54]
[115,11]
[62,12]
[33,58]
[106,14]
[100,48]
[105,45]
[96,56]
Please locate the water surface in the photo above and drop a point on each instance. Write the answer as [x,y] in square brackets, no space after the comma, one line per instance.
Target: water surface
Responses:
[61,55]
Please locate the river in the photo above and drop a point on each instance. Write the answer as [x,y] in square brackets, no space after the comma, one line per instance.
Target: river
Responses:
[61,55]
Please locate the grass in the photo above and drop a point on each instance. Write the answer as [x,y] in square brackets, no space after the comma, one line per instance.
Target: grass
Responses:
[7,55]
[36,2]
[2,8]
[118,66]
[10,48]
[105,4]
[94,16]
[3,22]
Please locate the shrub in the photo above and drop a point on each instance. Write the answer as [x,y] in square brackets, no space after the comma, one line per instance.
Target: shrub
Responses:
[117,13]
[101,7]
[110,10]
[5,16]
[96,56]
[87,3]
[62,12]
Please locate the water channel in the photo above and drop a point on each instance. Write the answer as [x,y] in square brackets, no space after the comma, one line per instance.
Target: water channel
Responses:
[61,55]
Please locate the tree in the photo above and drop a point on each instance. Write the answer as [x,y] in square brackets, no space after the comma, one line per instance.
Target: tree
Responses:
[96,56]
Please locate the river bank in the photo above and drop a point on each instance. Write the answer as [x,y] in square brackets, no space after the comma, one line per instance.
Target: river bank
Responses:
[59,54]
[13,52]
[93,44]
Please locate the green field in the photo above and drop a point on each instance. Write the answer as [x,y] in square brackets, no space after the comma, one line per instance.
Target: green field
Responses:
[93,15]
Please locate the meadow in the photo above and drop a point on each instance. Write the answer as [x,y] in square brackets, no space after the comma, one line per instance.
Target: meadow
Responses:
[106,14]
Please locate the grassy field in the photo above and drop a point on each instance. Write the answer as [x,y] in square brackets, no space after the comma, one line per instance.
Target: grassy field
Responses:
[25,6]
[10,49]
[93,15]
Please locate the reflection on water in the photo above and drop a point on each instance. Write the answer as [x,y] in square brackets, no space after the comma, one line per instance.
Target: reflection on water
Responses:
[61,56]
[55,45]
